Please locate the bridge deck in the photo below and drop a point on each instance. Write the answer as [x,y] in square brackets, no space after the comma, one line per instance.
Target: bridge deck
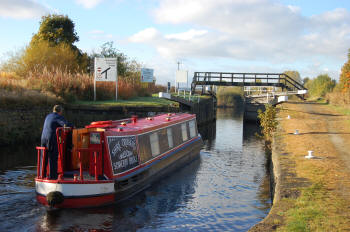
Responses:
[245,79]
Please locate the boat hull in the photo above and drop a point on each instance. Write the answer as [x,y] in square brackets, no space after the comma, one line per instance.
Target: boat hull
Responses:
[82,194]
[161,169]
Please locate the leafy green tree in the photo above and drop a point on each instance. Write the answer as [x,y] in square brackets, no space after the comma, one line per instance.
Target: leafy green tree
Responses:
[108,50]
[295,75]
[56,29]
[41,55]
[305,80]
[321,85]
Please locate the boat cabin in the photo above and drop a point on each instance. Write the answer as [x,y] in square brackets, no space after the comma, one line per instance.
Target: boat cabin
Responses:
[108,150]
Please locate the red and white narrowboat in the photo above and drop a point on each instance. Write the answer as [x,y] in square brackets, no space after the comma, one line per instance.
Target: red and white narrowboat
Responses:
[109,161]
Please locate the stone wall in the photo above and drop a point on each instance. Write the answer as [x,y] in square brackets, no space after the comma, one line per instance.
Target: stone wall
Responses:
[21,125]
[24,125]
[205,110]
[83,115]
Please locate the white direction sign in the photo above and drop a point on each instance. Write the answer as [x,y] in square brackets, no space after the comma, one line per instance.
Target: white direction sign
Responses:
[146,75]
[105,69]
[181,76]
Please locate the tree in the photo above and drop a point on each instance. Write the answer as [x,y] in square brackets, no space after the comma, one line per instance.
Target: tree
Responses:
[295,75]
[305,80]
[56,29]
[41,55]
[321,85]
[344,79]
[108,50]
[53,47]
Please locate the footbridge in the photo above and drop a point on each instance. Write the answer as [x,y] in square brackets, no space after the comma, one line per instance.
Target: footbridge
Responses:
[201,79]
[260,88]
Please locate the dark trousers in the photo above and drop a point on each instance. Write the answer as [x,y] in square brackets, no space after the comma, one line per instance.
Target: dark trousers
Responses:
[52,157]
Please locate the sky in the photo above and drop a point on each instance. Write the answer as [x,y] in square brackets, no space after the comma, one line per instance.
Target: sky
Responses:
[312,37]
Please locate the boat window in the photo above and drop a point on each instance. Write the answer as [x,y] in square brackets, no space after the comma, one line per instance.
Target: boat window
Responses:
[163,140]
[144,147]
[177,137]
[192,126]
[154,144]
[184,131]
[170,137]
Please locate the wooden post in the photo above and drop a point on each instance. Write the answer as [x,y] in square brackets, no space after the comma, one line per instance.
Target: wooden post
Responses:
[80,167]
[43,166]
[96,173]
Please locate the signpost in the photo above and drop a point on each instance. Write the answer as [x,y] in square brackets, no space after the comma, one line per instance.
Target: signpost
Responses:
[181,77]
[106,70]
[146,75]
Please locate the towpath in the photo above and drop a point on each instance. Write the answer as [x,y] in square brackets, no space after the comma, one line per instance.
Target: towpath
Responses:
[311,194]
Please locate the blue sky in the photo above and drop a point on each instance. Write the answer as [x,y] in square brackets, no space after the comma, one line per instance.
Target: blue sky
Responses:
[312,37]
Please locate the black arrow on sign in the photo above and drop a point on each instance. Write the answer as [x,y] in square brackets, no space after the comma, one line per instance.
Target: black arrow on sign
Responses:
[105,72]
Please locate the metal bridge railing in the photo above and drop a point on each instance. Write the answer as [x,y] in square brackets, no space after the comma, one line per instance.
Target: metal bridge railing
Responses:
[245,79]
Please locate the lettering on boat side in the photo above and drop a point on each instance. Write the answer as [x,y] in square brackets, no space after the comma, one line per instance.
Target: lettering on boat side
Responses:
[123,152]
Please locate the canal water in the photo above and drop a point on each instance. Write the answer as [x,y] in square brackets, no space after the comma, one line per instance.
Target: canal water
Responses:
[225,189]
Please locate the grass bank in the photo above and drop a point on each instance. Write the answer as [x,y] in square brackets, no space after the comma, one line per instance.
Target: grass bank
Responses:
[311,194]
[40,88]
[134,102]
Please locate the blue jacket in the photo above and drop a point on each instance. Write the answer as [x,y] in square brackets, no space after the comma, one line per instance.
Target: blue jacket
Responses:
[48,136]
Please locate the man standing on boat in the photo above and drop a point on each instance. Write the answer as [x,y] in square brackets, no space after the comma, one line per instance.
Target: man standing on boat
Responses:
[49,138]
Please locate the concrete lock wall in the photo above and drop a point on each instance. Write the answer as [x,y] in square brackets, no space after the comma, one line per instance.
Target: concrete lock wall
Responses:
[205,110]
[23,125]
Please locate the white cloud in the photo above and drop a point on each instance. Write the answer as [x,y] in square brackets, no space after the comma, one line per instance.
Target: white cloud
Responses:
[256,29]
[250,31]
[147,35]
[99,34]
[22,9]
[188,35]
[88,3]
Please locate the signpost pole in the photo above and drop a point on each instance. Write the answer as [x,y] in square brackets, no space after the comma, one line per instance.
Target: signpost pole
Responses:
[95,80]
[116,83]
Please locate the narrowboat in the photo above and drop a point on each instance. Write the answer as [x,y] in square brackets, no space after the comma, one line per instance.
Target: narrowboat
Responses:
[109,161]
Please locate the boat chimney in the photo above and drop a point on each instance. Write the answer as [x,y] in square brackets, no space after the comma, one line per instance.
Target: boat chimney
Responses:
[134,118]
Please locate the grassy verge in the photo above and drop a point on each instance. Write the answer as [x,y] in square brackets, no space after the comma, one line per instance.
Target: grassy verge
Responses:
[341,109]
[314,192]
[314,210]
[134,102]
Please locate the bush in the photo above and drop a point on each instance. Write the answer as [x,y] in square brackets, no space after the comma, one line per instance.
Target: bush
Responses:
[320,86]
[268,121]
[229,96]
[340,98]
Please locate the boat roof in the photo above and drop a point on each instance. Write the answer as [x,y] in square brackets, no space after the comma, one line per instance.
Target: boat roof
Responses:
[135,125]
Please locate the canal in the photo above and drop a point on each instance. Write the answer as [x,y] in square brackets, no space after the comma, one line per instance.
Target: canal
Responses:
[225,189]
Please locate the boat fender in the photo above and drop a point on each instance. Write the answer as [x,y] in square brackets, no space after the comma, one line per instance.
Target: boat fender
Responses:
[54,198]
[101,122]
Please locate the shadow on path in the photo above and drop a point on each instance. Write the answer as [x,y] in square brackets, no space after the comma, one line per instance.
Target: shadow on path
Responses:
[321,133]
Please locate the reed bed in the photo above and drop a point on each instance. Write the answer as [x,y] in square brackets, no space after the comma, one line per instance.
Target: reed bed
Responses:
[339,98]
[57,85]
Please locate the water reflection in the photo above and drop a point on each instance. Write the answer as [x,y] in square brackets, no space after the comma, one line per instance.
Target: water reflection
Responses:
[142,211]
[225,189]
[15,156]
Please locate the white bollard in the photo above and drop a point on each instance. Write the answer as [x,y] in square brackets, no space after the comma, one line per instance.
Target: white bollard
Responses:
[288,117]
[310,155]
